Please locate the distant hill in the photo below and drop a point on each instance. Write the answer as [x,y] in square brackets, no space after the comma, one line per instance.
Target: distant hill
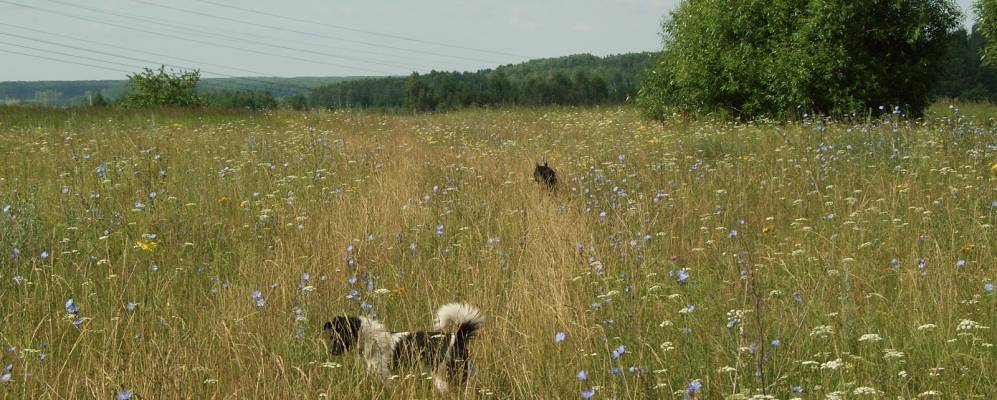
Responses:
[64,93]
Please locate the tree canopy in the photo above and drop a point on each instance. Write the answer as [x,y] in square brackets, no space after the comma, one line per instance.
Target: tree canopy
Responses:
[782,58]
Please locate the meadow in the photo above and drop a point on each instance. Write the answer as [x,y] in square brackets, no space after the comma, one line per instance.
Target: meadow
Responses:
[175,254]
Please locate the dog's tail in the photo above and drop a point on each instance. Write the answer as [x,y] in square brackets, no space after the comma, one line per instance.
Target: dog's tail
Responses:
[467,318]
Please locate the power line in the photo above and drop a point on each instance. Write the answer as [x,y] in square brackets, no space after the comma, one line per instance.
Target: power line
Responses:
[236,20]
[131,49]
[59,60]
[346,28]
[201,29]
[273,84]
[189,39]
[184,29]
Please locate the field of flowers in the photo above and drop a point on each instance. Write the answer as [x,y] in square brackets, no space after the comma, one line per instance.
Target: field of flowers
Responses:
[158,255]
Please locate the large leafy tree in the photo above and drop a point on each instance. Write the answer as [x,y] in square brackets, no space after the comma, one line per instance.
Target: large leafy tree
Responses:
[986,22]
[781,58]
[159,88]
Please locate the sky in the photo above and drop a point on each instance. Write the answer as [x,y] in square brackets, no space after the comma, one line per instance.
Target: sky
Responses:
[106,39]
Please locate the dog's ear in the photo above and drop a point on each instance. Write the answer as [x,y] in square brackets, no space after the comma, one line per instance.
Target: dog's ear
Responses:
[545,163]
[327,327]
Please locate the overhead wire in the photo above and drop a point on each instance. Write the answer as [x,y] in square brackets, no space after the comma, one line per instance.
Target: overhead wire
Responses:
[186,29]
[352,29]
[316,34]
[190,39]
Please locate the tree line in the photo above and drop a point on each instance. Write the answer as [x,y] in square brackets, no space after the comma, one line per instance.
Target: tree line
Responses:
[581,79]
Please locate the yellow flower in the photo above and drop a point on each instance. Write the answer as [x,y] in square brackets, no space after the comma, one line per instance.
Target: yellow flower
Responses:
[223,200]
[768,229]
[968,248]
[146,245]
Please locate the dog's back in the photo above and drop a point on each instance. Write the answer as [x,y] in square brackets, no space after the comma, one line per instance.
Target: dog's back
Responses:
[545,175]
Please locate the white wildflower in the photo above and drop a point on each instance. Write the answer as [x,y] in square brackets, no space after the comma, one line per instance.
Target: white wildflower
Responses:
[871,337]
[822,331]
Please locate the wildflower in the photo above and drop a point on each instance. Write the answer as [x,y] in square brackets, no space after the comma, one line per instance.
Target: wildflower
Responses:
[559,337]
[617,352]
[683,275]
[688,309]
[776,342]
[258,297]
[78,322]
[130,306]
[44,255]
[5,377]
[71,306]
[864,390]
[693,387]
[988,287]
[960,263]
[154,267]
[796,388]
[366,306]
[968,325]
[439,230]
[588,393]
[582,375]
[146,245]
[895,263]
[768,229]
[124,395]
[968,248]
[615,371]
[732,233]
[870,337]
[822,331]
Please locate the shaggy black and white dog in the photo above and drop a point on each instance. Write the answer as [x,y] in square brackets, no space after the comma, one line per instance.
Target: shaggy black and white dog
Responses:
[444,352]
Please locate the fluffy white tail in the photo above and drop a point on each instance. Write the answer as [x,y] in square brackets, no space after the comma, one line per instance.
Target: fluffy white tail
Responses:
[465,316]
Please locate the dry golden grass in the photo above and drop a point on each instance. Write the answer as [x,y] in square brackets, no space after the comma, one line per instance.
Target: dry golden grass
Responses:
[786,232]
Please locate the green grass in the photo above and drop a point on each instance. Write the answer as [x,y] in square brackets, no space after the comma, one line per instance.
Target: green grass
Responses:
[247,202]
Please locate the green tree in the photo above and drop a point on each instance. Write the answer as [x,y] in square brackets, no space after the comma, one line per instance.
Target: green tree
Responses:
[986,22]
[779,58]
[152,88]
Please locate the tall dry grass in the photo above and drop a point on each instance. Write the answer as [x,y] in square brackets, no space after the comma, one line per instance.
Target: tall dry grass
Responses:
[805,260]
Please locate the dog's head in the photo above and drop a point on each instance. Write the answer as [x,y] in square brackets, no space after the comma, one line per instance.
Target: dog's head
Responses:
[343,333]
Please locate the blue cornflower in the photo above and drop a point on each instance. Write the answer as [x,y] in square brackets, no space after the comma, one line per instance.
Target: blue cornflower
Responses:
[366,306]
[44,255]
[102,170]
[78,322]
[352,280]
[615,371]
[988,287]
[5,377]
[693,387]
[15,253]
[582,375]
[154,267]
[683,275]
[732,233]
[895,263]
[559,337]
[354,294]
[71,306]
[439,230]
[960,263]
[124,395]
[588,393]
[258,297]
[796,388]
[617,352]
[130,306]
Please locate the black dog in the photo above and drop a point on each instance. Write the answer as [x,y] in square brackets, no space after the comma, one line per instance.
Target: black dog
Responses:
[545,175]
[446,354]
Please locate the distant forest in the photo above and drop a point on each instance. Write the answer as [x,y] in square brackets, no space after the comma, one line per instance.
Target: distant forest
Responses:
[69,93]
[580,79]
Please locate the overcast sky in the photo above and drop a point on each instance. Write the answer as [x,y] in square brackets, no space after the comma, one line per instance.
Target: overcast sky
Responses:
[312,37]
